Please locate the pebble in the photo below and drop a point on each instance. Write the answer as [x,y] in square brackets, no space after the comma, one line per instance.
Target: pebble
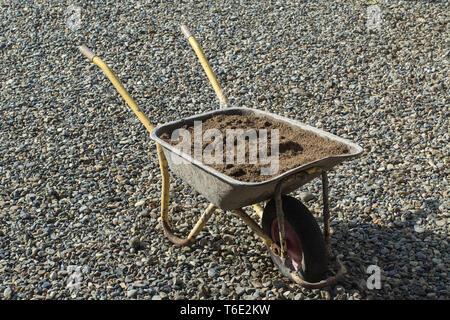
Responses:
[7,293]
[239,290]
[131,294]
[339,289]
[306,196]
[325,295]
[163,295]
[139,203]
[25,215]
[211,273]
[441,223]
[136,244]
[299,296]
[418,229]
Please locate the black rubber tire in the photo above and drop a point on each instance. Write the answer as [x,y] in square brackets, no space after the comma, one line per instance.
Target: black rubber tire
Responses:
[315,259]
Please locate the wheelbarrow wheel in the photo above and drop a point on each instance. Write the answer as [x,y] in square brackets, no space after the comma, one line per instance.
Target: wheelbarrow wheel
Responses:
[306,249]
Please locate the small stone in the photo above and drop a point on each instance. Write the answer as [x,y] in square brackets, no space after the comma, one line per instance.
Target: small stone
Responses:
[25,215]
[418,229]
[229,239]
[306,196]
[131,294]
[163,295]
[398,223]
[325,295]
[437,261]
[177,281]
[7,293]
[340,289]
[239,290]
[211,273]
[267,283]
[255,283]
[420,256]
[224,292]
[299,91]
[144,214]
[441,223]
[139,203]
[299,296]
[278,284]
[202,290]
[136,244]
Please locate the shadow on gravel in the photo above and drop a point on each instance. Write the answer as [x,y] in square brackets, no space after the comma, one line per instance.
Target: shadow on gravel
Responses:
[410,262]
[413,263]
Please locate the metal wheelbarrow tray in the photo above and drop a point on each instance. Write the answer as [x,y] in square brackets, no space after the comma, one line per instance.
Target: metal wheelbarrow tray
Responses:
[228,193]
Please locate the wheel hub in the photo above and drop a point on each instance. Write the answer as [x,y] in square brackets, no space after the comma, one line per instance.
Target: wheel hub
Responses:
[293,245]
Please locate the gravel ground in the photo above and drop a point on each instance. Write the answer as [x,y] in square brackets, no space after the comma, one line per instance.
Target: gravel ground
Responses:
[79,179]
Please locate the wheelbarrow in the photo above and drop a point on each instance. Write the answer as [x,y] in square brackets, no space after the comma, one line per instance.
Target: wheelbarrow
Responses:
[288,229]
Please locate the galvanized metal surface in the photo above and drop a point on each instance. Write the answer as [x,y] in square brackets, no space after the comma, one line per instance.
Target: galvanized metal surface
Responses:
[228,193]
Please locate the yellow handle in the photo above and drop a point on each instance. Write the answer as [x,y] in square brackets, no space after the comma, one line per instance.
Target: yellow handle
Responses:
[205,64]
[163,165]
[118,85]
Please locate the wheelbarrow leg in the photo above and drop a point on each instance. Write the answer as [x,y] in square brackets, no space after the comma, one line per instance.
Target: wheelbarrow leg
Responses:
[253,225]
[326,210]
[281,220]
[165,207]
[326,227]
